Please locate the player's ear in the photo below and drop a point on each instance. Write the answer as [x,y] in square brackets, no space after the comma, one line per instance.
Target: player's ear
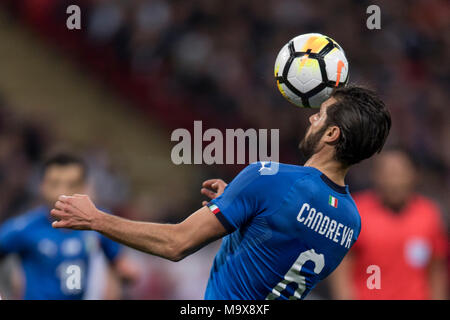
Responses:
[332,134]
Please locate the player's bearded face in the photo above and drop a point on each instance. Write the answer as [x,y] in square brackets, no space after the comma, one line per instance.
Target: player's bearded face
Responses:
[309,144]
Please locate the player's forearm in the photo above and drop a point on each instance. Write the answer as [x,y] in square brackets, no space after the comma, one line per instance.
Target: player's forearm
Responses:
[153,238]
[171,241]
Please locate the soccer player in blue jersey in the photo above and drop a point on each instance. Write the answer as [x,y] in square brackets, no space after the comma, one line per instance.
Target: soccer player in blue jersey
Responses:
[283,233]
[55,262]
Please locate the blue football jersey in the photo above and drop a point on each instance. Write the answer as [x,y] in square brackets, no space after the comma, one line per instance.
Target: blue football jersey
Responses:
[54,261]
[288,231]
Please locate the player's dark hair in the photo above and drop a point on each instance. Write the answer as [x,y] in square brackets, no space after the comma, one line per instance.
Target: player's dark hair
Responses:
[64,159]
[364,122]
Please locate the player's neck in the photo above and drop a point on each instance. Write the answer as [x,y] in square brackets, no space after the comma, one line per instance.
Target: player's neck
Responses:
[331,168]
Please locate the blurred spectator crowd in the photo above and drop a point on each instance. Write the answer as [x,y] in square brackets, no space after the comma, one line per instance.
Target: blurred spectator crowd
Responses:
[213,60]
[185,60]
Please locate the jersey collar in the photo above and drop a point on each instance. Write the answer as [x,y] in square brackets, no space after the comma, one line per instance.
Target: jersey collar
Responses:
[333,185]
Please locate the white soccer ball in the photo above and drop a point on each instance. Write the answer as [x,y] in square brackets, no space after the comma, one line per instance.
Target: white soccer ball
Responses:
[309,67]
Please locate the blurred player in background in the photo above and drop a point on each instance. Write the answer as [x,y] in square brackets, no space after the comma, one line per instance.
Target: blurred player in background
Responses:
[46,254]
[402,234]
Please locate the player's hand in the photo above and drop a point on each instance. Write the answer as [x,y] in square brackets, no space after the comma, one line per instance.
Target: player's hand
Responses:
[75,212]
[212,188]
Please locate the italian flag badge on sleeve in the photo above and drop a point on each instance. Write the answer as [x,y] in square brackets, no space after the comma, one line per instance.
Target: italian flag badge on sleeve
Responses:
[332,201]
[213,208]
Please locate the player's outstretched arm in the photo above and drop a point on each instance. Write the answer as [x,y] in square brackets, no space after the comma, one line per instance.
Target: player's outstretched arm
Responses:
[170,241]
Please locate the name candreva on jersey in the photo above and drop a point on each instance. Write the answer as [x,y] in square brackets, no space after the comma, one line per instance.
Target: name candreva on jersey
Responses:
[325,226]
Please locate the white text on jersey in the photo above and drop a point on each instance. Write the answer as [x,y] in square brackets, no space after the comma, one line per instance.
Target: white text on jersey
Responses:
[325,226]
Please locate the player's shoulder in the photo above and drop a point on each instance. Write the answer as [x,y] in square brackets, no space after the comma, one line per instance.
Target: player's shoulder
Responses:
[285,176]
[26,220]
[268,178]
[278,169]
[272,175]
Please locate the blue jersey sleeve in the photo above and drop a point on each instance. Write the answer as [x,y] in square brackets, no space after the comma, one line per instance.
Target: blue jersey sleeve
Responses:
[110,248]
[242,199]
[11,237]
